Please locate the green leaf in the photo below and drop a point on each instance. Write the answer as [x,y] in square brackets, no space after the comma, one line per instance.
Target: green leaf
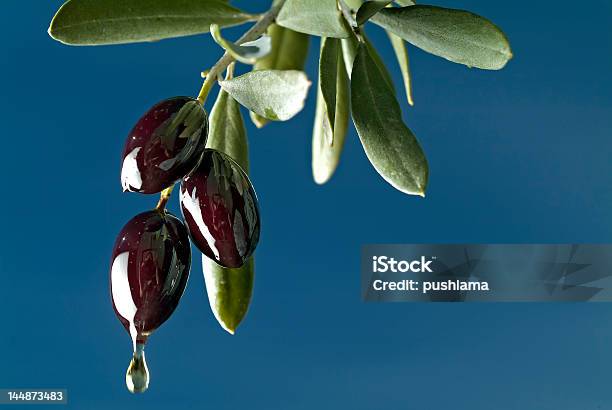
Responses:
[328,141]
[289,52]
[379,63]
[349,52]
[96,22]
[229,291]
[353,4]
[246,53]
[316,17]
[227,132]
[390,146]
[331,54]
[458,36]
[349,49]
[370,8]
[405,3]
[277,95]
[399,47]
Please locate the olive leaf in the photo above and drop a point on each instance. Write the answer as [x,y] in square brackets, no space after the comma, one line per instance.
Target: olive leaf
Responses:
[316,17]
[229,291]
[353,4]
[458,36]
[227,132]
[405,3]
[289,52]
[401,53]
[247,53]
[96,22]
[380,63]
[277,95]
[349,52]
[328,141]
[369,9]
[329,61]
[350,46]
[390,146]
[399,47]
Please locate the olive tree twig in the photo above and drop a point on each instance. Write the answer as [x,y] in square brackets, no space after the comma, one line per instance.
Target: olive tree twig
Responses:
[252,34]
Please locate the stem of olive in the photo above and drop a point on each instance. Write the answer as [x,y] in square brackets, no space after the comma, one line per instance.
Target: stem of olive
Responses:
[163,198]
[252,34]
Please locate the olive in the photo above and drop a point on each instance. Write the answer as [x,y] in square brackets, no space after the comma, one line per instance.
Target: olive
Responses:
[164,145]
[150,266]
[220,209]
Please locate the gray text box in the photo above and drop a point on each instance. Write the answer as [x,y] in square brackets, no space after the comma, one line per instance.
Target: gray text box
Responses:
[33,396]
[487,273]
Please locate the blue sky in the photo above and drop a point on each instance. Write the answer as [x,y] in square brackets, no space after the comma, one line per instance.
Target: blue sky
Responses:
[521,155]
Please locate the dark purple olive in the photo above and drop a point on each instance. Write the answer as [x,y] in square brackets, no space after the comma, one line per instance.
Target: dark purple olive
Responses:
[164,145]
[149,271]
[220,209]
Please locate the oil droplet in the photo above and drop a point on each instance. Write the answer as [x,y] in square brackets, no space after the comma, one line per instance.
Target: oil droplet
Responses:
[137,375]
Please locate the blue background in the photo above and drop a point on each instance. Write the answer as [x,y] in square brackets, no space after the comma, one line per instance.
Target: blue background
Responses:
[521,155]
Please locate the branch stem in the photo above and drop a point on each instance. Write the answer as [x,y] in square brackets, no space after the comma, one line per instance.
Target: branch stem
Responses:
[348,14]
[163,198]
[252,34]
[224,62]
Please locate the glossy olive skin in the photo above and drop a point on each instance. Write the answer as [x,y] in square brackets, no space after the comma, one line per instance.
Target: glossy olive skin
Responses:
[149,270]
[220,208]
[164,145]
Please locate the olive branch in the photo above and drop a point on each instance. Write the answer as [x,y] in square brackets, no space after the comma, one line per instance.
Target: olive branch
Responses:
[353,82]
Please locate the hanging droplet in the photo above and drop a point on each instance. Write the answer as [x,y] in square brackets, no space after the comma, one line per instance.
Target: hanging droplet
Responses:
[137,375]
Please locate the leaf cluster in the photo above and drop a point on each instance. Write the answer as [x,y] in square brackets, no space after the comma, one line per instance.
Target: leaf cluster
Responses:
[353,80]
